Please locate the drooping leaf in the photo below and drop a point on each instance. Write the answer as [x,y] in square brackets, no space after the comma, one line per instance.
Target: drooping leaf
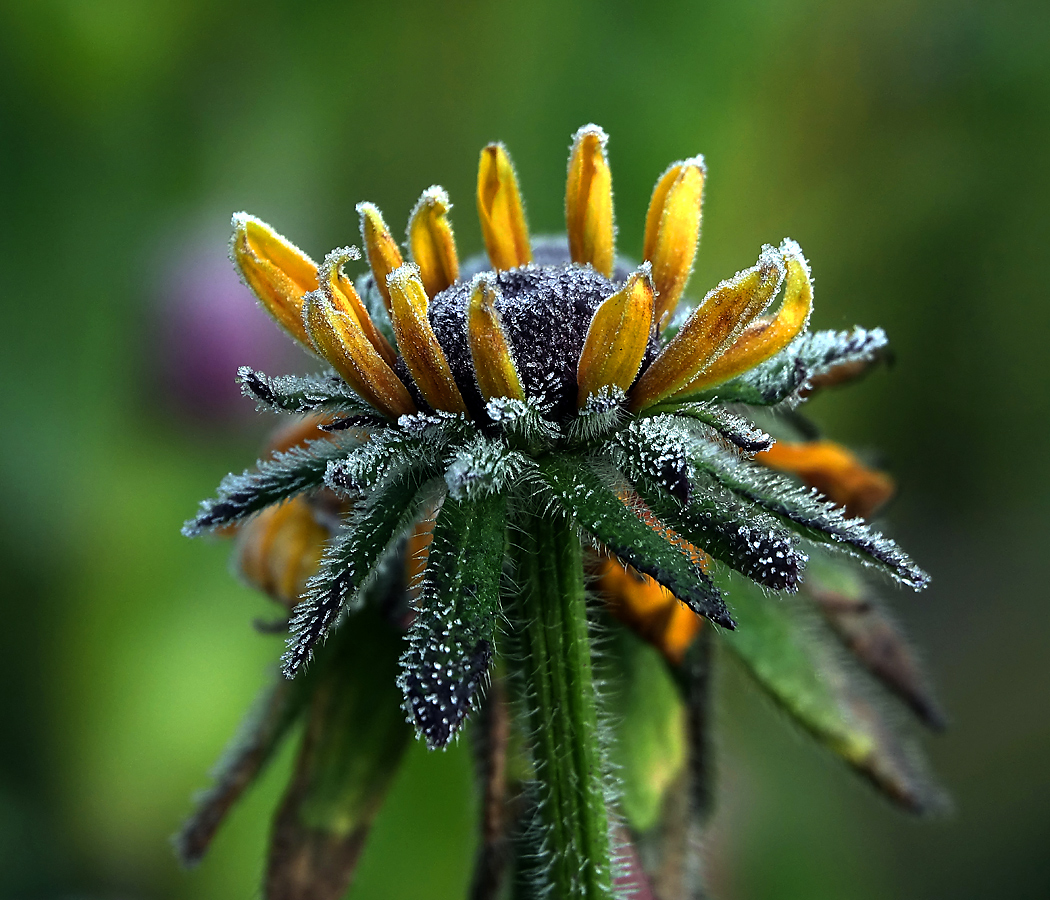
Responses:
[804,511]
[302,393]
[866,628]
[256,741]
[581,492]
[282,475]
[452,638]
[353,742]
[786,376]
[352,560]
[787,660]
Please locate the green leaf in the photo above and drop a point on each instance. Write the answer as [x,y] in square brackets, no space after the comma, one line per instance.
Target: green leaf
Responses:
[274,479]
[453,635]
[784,377]
[352,560]
[783,654]
[302,393]
[735,429]
[584,495]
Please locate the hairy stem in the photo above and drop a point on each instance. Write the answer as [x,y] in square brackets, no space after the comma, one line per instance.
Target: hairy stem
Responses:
[559,699]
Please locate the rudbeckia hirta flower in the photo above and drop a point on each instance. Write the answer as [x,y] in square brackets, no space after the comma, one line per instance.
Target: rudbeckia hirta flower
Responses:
[489,440]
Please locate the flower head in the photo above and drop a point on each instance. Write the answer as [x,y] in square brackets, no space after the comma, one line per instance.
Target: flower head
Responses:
[550,378]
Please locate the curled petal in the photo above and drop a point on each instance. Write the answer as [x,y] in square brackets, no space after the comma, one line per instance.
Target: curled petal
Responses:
[766,336]
[712,327]
[417,342]
[648,608]
[834,471]
[277,271]
[338,337]
[279,549]
[431,242]
[617,338]
[589,201]
[500,210]
[493,364]
[380,247]
[672,231]
[338,290]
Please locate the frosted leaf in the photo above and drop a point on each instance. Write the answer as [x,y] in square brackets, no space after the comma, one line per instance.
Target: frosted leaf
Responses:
[274,479]
[807,512]
[786,377]
[601,415]
[580,491]
[483,467]
[735,429]
[352,561]
[523,420]
[387,453]
[660,448]
[302,393]
[452,638]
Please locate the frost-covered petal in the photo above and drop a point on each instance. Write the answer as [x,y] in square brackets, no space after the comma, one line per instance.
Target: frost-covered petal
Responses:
[384,256]
[501,211]
[494,368]
[431,242]
[589,201]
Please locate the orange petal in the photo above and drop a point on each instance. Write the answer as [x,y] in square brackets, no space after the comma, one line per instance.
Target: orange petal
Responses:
[431,242]
[766,336]
[383,253]
[417,342]
[648,608]
[589,201]
[500,210]
[834,471]
[341,293]
[279,549]
[277,271]
[617,338]
[672,232]
[493,364]
[712,327]
[338,337]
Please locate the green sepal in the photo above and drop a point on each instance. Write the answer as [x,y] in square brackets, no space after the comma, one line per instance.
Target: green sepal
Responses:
[737,430]
[786,376]
[784,655]
[353,559]
[353,742]
[807,513]
[303,393]
[582,493]
[452,638]
[272,480]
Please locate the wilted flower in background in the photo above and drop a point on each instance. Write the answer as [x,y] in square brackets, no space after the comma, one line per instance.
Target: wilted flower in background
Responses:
[491,438]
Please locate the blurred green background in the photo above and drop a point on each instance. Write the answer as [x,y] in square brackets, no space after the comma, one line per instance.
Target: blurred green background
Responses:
[904,144]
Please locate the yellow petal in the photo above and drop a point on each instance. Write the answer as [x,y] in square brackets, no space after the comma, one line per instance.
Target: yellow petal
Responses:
[431,242]
[417,342]
[834,471]
[501,212]
[383,253]
[672,232]
[712,327]
[277,271]
[589,201]
[339,338]
[340,292]
[766,336]
[617,338]
[493,364]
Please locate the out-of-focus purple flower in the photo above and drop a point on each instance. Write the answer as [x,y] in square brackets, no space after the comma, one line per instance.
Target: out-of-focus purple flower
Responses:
[208,325]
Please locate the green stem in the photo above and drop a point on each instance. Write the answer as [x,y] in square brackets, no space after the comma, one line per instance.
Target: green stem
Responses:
[559,698]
